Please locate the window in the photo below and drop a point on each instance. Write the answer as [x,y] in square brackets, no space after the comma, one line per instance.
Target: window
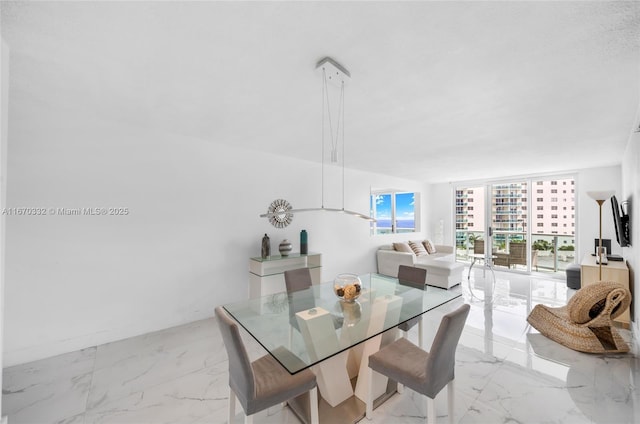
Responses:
[395,212]
[554,208]
[540,208]
[539,191]
[554,190]
[540,216]
[539,199]
[554,216]
[554,183]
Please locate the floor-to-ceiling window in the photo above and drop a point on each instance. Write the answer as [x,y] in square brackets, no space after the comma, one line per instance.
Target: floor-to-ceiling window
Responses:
[553,222]
[529,223]
[469,219]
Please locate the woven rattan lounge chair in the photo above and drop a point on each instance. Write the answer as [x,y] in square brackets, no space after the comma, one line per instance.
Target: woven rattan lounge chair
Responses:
[585,323]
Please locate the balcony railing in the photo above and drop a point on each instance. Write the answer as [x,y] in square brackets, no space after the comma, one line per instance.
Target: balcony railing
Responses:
[550,257]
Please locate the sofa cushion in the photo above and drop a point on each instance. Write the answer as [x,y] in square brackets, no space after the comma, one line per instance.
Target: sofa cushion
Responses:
[402,247]
[418,248]
[429,246]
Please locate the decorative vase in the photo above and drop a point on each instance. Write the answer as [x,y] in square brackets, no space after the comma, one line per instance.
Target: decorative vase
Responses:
[266,247]
[347,287]
[304,246]
[285,247]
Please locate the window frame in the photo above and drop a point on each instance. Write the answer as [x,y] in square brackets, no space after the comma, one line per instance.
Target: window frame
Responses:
[394,216]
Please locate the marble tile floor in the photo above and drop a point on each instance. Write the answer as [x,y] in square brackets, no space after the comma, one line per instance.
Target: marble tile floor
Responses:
[506,372]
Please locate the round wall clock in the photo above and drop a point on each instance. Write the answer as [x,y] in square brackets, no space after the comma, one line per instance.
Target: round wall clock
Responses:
[279,215]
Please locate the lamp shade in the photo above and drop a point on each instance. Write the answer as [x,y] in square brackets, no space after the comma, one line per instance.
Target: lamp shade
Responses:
[600,195]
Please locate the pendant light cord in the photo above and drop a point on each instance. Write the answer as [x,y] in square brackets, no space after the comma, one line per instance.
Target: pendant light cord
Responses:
[342,109]
[334,141]
[326,106]
[324,88]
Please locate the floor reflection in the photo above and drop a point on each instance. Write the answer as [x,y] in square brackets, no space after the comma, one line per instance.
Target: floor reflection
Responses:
[506,372]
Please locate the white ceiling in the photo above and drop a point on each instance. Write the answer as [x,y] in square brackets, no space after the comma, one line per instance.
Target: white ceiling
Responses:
[443,91]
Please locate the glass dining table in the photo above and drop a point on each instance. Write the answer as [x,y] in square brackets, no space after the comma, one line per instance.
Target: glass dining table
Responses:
[313,328]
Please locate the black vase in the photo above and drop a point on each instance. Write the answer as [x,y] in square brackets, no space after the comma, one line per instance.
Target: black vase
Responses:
[266,247]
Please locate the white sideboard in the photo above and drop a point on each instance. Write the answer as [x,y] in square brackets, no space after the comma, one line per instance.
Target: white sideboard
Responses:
[266,276]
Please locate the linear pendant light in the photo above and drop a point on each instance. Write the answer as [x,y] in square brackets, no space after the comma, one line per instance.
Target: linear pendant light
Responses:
[332,73]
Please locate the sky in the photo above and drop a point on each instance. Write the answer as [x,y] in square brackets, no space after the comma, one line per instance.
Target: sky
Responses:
[404,206]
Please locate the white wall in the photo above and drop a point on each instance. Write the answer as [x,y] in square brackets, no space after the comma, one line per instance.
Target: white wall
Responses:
[77,281]
[4,98]
[631,192]
[441,211]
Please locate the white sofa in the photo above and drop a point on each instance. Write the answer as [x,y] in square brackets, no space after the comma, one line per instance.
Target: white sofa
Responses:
[442,269]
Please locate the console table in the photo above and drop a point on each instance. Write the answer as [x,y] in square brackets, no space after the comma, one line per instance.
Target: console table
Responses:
[614,271]
[266,276]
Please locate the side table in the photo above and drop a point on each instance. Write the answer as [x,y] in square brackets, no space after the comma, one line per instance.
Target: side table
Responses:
[488,259]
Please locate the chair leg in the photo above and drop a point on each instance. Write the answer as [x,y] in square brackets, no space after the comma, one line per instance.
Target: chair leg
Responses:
[369,411]
[431,411]
[450,399]
[400,388]
[420,336]
[313,399]
[248,419]
[232,405]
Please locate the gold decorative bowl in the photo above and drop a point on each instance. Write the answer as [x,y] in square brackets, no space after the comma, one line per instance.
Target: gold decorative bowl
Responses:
[347,287]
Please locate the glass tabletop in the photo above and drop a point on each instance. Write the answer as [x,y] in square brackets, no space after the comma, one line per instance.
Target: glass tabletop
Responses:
[303,328]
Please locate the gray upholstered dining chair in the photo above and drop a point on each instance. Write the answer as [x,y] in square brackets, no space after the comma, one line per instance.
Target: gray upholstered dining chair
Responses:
[297,279]
[262,383]
[425,372]
[417,278]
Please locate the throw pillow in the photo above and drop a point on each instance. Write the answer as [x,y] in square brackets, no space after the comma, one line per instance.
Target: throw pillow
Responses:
[418,248]
[402,247]
[431,248]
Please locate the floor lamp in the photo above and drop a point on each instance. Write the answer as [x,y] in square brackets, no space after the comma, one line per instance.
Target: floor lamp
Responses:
[600,197]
